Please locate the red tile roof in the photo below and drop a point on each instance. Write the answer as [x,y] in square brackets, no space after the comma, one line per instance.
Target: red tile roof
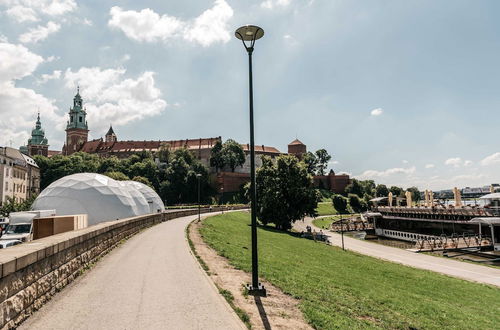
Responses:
[53,153]
[261,149]
[295,142]
[96,146]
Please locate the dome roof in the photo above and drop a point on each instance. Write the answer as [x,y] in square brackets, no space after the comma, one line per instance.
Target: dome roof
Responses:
[96,195]
[150,195]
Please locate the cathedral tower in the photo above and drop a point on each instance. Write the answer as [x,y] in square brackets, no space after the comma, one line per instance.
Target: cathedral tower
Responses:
[37,143]
[77,131]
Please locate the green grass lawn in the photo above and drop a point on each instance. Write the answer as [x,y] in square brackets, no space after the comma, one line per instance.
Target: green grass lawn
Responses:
[344,290]
[326,208]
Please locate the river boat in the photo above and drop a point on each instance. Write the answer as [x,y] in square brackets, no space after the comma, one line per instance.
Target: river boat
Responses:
[426,223]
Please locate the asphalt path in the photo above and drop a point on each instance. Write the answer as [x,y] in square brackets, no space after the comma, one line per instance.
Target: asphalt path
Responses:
[152,281]
[455,268]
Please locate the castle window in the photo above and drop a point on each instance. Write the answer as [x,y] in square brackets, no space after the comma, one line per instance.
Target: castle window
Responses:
[71,118]
[80,119]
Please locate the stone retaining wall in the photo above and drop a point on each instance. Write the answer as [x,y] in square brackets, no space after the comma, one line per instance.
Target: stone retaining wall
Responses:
[31,273]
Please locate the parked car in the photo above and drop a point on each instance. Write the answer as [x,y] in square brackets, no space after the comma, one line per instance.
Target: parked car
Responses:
[9,243]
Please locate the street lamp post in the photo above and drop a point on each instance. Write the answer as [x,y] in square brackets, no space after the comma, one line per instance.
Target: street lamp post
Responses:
[222,198]
[342,231]
[198,176]
[252,33]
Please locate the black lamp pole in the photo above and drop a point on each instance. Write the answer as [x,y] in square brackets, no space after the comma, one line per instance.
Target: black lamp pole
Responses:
[252,33]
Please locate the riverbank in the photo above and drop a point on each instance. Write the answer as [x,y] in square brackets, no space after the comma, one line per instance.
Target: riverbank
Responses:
[343,289]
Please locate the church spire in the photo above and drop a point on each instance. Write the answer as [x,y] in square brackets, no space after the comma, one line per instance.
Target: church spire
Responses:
[77,114]
[38,124]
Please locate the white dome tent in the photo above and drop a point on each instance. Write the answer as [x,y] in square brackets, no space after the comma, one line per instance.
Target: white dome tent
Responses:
[154,201]
[141,204]
[98,196]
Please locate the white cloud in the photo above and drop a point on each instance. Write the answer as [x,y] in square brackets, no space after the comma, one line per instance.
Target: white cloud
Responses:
[404,161]
[17,62]
[52,58]
[22,14]
[18,105]
[211,25]
[371,174]
[455,162]
[491,159]
[56,74]
[3,38]
[429,166]
[39,33]
[377,112]
[111,98]
[87,22]
[468,163]
[148,26]
[270,4]
[30,10]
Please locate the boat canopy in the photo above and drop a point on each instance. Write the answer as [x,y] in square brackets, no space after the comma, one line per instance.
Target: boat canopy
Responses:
[491,196]
[378,199]
[372,214]
[486,221]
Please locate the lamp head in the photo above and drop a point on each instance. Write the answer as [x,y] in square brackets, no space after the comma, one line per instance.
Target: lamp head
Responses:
[249,33]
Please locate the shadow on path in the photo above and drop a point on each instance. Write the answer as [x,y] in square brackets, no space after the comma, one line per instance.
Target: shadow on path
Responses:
[262,313]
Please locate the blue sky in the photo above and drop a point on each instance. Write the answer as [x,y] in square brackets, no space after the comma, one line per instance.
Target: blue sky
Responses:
[402,92]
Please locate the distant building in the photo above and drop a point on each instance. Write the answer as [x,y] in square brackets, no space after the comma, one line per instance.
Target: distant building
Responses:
[37,143]
[297,148]
[19,175]
[77,130]
[232,181]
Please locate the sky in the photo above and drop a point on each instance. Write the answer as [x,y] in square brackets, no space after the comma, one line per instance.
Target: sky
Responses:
[402,92]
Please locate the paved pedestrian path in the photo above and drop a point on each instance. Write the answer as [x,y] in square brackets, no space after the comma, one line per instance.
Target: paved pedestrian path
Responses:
[152,281]
[460,269]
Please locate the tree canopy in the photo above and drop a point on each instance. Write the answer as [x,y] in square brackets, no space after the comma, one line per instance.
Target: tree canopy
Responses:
[285,192]
[229,153]
[323,158]
[174,177]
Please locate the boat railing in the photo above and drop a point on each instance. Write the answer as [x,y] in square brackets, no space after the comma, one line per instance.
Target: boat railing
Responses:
[455,241]
[409,211]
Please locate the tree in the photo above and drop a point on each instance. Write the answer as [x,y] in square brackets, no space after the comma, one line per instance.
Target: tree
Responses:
[323,158]
[340,203]
[216,157]
[357,204]
[381,190]
[285,192]
[10,205]
[354,188]
[119,176]
[143,180]
[164,153]
[396,191]
[178,182]
[311,162]
[415,193]
[232,154]
[368,187]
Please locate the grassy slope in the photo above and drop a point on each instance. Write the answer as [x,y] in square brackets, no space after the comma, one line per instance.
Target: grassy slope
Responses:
[326,208]
[345,290]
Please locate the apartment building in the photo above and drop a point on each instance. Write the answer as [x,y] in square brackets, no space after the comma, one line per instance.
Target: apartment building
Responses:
[19,176]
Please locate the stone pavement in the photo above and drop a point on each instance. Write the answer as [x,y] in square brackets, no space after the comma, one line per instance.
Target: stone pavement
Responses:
[460,269]
[152,281]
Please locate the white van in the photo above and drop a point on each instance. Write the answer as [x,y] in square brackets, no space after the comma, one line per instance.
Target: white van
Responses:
[21,224]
